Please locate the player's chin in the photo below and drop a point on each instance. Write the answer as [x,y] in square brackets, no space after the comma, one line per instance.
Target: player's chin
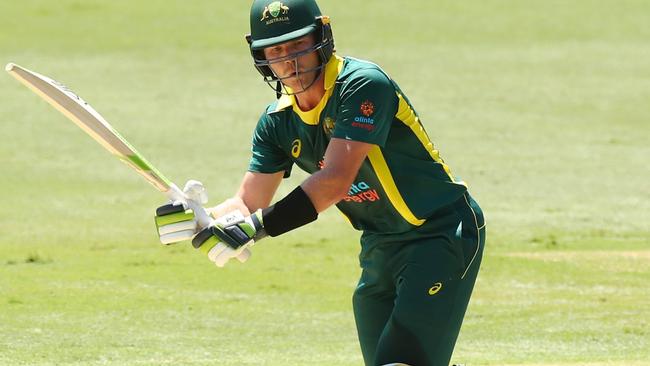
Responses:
[294,83]
[299,82]
[305,82]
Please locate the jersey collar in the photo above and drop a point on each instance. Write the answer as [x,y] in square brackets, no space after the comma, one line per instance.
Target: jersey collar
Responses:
[332,70]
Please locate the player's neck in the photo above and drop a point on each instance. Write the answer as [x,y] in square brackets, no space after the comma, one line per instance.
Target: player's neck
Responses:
[310,98]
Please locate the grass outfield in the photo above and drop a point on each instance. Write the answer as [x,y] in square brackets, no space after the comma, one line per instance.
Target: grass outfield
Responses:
[542,107]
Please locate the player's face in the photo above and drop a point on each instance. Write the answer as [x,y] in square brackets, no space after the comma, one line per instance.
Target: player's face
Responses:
[295,72]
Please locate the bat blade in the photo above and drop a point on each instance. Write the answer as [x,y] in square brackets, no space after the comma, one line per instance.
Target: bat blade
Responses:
[84,116]
[88,119]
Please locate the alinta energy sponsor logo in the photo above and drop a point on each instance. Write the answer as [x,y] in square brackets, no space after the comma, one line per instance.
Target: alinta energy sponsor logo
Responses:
[361,192]
[367,109]
[364,123]
[275,12]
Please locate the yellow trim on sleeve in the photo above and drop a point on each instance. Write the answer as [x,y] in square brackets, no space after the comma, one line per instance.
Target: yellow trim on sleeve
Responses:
[406,114]
[388,184]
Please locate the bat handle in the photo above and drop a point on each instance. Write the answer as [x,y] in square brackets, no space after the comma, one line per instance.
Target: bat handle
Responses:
[202,216]
[176,195]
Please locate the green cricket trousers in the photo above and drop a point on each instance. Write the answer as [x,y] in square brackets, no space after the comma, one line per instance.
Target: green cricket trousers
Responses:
[414,287]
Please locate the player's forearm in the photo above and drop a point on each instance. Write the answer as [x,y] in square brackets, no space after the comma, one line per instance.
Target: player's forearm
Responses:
[331,184]
[228,206]
[303,204]
[251,201]
[323,189]
[257,190]
[326,188]
[298,208]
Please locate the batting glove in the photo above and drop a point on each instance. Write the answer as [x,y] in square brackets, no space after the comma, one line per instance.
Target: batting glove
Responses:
[229,236]
[175,221]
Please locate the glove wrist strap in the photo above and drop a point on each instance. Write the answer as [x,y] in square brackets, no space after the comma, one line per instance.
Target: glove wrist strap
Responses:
[257,220]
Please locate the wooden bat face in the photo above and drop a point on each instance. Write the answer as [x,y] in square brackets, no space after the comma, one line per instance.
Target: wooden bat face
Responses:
[89,120]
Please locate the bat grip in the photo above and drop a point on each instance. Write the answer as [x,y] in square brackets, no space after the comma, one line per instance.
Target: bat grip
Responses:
[176,195]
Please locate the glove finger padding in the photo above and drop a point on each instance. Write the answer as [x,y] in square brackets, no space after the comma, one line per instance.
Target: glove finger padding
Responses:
[204,240]
[217,246]
[176,237]
[217,252]
[222,258]
[177,227]
[244,255]
[175,223]
[221,253]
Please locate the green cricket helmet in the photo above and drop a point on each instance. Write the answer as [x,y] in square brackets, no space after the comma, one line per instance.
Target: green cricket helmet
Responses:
[275,22]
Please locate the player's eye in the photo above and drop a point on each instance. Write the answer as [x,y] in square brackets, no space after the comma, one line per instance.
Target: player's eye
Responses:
[273,52]
[299,44]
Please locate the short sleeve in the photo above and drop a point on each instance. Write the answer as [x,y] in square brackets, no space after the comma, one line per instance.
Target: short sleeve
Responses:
[267,156]
[367,108]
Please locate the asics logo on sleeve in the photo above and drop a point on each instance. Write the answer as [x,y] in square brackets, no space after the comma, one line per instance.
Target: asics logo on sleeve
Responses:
[435,288]
[296,146]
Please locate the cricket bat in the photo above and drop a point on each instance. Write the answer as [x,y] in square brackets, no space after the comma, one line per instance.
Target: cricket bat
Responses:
[88,119]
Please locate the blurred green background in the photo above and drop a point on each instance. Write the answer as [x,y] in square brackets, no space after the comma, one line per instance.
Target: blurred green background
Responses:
[542,107]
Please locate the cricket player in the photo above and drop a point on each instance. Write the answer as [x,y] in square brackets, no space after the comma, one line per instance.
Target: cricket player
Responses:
[349,125]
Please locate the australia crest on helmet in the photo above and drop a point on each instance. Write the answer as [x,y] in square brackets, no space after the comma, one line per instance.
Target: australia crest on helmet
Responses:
[275,12]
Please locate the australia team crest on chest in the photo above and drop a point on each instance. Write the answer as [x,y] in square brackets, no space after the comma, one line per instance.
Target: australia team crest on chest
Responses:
[328,125]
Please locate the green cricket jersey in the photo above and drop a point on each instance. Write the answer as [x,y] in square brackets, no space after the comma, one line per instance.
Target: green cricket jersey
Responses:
[401,183]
